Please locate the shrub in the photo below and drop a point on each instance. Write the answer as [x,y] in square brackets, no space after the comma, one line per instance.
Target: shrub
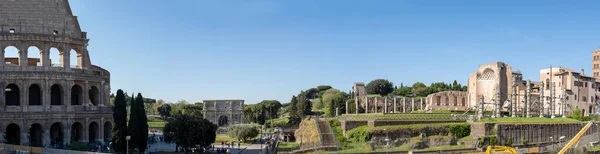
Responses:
[360,134]
[338,132]
[510,141]
[460,130]
[493,140]
[242,131]
[523,141]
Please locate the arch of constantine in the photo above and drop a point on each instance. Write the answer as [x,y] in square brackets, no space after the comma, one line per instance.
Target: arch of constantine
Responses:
[49,102]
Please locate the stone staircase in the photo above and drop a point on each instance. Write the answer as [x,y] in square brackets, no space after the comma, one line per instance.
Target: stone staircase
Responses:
[326,134]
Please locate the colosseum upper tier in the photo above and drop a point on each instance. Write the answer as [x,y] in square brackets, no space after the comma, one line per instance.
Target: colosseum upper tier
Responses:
[45,103]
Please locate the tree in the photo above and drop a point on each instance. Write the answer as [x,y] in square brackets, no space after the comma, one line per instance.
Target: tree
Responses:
[271,107]
[417,85]
[119,131]
[187,131]
[138,124]
[164,111]
[323,87]
[293,108]
[195,109]
[318,104]
[242,131]
[404,91]
[380,86]
[304,106]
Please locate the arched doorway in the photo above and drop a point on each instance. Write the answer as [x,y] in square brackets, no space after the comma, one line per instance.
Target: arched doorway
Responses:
[223,121]
[13,134]
[107,132]
[36,135]
[93,95]
[76,95]
[56,95]
[93,132]
[76,132]
[56,134]
[35,95]
[12,97]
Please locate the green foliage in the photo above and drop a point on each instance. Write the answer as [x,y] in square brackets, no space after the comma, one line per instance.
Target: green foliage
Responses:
[119,130]
[481,141]
[380,86]
[576,114]
[138,125]
[403,91]
[418,85]
[334,99]
[187,131]
[78,146]
[195,109]
[242,131]
[510,141]
[360,134]
[318,104]
[460,130]
[164,111]
[338,132]
[279,122]
[260,112]
[303,106]
[523,141]
[493,140]
[323,87]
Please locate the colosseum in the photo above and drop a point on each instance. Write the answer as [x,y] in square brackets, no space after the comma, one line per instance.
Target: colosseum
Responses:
[49,102]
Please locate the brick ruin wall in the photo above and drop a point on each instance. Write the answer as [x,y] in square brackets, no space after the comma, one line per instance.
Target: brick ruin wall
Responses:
[533,133]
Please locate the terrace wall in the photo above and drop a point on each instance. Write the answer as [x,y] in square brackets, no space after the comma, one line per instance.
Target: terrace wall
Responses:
[532,133]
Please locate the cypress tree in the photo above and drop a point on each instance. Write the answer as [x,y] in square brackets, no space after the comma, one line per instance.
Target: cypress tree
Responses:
[119,130]
[133,125]
[142,124]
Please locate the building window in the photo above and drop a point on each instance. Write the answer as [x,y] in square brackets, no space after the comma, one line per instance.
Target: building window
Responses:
[439,99]
[575,96]
[547,84]
[463,101]
[586,84]
[455,101]
[583,98]
[447,101]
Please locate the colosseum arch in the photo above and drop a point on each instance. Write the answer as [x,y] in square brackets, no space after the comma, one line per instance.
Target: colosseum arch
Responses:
[34,56]
[56,94]
[12,95]
[76,95]
[35,94]
[55,57]
[11,56]
[75,58]
[13,134]
[107,131]
[93,132]
[93,95]
[36,135]
[76,132]
[56,134]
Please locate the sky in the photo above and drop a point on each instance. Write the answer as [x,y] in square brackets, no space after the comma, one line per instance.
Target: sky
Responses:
[270,50]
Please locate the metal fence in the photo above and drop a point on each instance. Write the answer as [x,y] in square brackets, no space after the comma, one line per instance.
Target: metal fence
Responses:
[19,149]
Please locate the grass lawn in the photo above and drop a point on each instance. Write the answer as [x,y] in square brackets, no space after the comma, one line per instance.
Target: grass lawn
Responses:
[528,120]
[154,118]
[156,124]
[227,138]
[351,147]
[287,146]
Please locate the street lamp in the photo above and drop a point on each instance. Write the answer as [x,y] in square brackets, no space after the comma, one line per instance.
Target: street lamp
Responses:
[127,138]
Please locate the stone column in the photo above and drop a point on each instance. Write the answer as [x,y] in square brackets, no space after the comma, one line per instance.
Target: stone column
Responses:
[46,86]
[347,107]
[46,136]
[67,132]
[356,98]
[23,57]
[2,47]
[395,102]
[86,130]
[45,57]
[385,109]
[24,93]
[101,129]
[412,104]
[542,108]
[2,97]
[366,104]
[24,132]
[422,103]
[65,58]
[375,105]
[403,104]
[86,99]
[101,95]
[68,94]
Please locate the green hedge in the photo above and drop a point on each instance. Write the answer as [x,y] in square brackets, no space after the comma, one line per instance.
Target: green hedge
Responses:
[360,134]
[338,132]
[460,130]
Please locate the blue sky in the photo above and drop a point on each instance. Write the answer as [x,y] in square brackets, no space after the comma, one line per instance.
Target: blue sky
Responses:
[258,50]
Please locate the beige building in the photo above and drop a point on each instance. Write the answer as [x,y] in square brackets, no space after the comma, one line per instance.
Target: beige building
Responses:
[492,82]
[565,86]
[596,64]
[43,102]
[448,100]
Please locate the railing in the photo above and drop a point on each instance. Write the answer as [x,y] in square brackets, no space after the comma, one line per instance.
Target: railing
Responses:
[7,148]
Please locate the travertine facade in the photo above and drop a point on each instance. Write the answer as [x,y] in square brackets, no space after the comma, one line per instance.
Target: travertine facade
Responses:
[596,64]
[575,89]
[44,104]
[492,82]
[224,112]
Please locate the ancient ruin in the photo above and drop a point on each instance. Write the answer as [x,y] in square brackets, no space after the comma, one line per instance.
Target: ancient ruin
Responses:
[44,102]
[224,112]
